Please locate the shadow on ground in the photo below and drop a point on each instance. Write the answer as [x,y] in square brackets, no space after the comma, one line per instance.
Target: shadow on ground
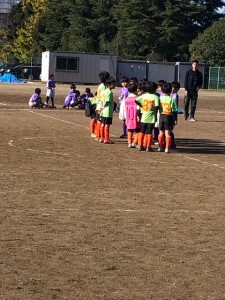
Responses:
[200,146]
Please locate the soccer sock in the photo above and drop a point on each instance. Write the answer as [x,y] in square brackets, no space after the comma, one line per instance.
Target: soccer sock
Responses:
[106,132]
[148,140]
[168,141]
[145,141]
[136,138]
[124,128]
[98,129]
[102,132]
[161,140]
[47,98]
[92,126]
[129,137]
[140,139]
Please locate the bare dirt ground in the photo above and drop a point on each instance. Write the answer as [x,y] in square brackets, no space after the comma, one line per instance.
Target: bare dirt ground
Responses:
[81,220]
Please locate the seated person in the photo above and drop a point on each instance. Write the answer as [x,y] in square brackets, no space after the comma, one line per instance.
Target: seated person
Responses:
[35,100]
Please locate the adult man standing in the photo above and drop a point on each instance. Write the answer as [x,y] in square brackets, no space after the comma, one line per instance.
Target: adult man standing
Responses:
[192,83]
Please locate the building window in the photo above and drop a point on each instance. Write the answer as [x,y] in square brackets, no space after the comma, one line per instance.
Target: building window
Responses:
[67,63]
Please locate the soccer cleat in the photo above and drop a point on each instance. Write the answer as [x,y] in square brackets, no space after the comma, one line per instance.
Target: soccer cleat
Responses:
[141,148]
[167,150]
[156,143]
[192,120]
[123,136]
[129,145]
[160,149]
[108,142]
[93,135]
[149,149]
[133,145]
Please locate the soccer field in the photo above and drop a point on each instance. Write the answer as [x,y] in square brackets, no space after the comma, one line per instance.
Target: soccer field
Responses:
[82,220]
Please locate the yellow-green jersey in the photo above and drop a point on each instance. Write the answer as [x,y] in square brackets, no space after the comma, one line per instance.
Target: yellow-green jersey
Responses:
[148,103]
[167,105]
[100,90]
[107,103]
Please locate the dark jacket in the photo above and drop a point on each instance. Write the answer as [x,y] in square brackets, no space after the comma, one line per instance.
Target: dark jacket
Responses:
[193,80]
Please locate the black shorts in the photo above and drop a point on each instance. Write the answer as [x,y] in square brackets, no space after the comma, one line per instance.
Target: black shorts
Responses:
[166,122]
[147,127]
[97,116]
[106,121]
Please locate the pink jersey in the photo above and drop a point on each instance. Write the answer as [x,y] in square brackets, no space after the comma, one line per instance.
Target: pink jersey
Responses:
[131,112]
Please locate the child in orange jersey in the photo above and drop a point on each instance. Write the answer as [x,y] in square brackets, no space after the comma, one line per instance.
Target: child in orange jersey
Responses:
[168,113]
[107,110]
[149,103]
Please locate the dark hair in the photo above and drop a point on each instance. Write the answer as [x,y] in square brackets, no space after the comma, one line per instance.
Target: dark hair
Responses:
[50,76]
[77,93]
[110,81]
[167,88]
[124,79]
[151,87]
[161,82]
[195,61]
[87,90]
[37,91]
[73,86]
[103,76]
[134,79]
[175,84]
[132,87]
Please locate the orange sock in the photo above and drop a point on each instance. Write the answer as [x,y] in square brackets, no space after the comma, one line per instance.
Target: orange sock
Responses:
[136,138]
[145,141]
[102,132]
[148,140]
[98,129]
[129,137]
[168,141]
[106,132]
[92,126]
[140,139]
[161,140]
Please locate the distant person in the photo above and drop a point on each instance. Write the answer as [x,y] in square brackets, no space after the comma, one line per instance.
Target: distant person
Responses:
[70,98]
[85,97]
[192,83]
[123,94]
[35,100]
[174,94]
[50,91]
[168,115]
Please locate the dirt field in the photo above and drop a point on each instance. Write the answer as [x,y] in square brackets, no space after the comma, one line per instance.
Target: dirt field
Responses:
[81,220]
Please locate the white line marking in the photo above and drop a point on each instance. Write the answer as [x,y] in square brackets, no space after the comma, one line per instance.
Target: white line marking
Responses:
[204,162]
[10,143]
[3,104]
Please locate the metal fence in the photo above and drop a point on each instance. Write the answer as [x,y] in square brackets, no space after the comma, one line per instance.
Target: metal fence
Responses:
[216,78]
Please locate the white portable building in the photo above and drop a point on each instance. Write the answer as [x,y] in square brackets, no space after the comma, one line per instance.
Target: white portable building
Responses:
[76,66]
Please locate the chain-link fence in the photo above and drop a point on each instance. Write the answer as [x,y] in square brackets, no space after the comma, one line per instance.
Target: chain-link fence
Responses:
[216,78]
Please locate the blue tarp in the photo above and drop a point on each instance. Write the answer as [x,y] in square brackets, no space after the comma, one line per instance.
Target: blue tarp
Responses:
[10,78]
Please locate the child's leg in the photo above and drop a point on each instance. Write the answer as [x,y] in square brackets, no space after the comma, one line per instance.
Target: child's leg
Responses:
[53,102]
[92,127]
[156,133]
[161,140]
[168,140]
[124,130]
[98,129]
[106,133]
[173,144]
[102,133]
[130,138]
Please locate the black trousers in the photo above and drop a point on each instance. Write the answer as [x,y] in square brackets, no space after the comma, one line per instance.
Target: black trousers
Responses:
[192,97]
